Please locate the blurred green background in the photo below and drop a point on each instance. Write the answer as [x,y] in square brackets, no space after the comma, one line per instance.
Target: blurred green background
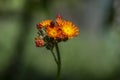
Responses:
[93,55]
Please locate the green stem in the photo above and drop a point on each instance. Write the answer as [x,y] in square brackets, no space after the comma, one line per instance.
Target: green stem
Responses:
[59,61]
[54,56]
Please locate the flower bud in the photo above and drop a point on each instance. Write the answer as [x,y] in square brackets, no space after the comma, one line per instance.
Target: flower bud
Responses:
[39,42]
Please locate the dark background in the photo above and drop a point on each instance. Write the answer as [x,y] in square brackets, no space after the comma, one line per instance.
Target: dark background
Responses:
[93,55]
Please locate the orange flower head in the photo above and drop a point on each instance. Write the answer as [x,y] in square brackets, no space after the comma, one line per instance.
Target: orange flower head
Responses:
[43,24]
[59,21]
[52,32]
[69,30]
[39,42]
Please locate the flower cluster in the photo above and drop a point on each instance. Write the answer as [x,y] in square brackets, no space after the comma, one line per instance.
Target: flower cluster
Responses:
[50,31]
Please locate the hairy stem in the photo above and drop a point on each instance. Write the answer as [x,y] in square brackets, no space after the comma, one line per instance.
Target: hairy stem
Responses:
[59,61]
[54,56]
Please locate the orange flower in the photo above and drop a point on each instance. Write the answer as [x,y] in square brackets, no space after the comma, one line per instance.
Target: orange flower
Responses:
[39,42]
[52,32]
[43,24]
[59,21]
[69,30]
